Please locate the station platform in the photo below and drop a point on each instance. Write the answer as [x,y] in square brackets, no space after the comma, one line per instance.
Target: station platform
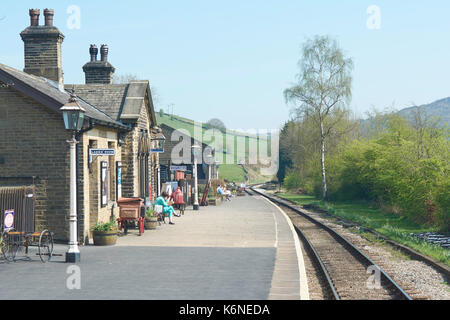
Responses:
[245,222]
[245,249]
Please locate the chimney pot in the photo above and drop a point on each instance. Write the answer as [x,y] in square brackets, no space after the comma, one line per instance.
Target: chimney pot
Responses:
[98,73]
[48,14]
[34,17]
[93,51]
[104,52]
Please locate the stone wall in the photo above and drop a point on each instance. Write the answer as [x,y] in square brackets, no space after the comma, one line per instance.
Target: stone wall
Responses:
[93,211]
[130,162]
[33,143]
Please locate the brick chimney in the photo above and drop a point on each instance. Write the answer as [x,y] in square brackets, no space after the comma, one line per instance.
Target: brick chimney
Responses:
[98,71]
[43,47]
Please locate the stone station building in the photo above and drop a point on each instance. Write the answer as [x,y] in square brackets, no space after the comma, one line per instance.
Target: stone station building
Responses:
[34,153]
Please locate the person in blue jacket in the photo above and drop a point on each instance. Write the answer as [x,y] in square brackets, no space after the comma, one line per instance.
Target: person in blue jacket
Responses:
[162,200]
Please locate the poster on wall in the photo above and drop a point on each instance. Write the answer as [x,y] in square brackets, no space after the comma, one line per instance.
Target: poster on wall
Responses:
[119,179]
[104,182]
[8,221]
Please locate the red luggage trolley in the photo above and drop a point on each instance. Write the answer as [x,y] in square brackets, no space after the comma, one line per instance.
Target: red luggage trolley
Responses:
[130,209]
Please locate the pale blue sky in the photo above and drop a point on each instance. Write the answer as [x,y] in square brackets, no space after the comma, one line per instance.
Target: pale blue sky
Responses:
[233,59]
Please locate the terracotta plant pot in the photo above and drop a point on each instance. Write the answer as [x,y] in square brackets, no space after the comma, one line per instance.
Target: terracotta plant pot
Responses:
[105,238]
[150,223]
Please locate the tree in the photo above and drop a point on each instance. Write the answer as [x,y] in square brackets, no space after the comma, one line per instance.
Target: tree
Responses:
[124,78]
[285,157]
[323,89]
[127,77]
[215,124]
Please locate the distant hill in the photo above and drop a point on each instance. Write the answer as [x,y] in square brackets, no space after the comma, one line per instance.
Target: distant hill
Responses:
[439,108]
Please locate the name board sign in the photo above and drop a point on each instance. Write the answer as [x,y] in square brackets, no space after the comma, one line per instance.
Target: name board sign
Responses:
[102,152]
[9,219]
[157,150]
[178,168]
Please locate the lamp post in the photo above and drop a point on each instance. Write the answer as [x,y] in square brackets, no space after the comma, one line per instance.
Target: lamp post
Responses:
[195,152]
[73,115]
[209,161]
[217,169]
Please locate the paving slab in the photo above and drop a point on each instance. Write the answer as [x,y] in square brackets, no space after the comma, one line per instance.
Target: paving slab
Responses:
[243,249]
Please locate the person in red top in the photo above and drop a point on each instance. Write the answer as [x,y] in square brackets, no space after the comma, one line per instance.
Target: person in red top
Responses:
[177,198]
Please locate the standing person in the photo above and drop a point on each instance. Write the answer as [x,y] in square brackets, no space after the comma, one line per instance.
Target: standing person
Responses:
[162,201]
[177,198]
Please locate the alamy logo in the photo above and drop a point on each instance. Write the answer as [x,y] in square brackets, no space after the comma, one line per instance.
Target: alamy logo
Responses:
[251,147]
[374,17]
[374,281]
[73,281]
[74,20]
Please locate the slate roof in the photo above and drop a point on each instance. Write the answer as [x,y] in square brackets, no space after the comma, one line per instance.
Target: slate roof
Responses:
[51,95]
[122,102]
[109,101]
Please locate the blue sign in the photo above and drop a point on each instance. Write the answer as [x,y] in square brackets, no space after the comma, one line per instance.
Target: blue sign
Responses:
[178,168]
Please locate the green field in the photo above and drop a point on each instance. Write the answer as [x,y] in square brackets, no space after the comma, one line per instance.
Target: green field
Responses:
[229,171]
[394,226]
[232,172]
[230,139]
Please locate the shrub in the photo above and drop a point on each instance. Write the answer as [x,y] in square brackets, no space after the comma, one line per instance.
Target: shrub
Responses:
[292,181]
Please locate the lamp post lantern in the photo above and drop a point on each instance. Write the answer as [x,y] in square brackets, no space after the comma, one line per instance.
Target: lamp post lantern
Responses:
[209,162]
[158,141]
[196,149]
[73,115]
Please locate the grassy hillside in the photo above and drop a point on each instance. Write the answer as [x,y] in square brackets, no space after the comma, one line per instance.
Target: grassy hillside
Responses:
[233,171]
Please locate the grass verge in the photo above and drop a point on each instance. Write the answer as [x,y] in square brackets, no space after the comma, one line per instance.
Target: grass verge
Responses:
[395,227]
[232,172]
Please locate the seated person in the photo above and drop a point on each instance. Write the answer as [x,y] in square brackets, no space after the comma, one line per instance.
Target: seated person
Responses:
[162,201]
[222,191]
[228,193]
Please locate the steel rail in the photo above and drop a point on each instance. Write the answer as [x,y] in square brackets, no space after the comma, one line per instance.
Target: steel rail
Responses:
[315,257]
[341,239]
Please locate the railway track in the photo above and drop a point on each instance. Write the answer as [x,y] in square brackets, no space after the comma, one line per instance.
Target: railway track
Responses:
[347,272]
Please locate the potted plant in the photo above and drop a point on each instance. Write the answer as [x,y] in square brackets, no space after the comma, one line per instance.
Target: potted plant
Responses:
[105,233]
[151,219]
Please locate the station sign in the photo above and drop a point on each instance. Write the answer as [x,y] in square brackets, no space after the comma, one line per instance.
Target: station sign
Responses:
[102,152]
[178,168]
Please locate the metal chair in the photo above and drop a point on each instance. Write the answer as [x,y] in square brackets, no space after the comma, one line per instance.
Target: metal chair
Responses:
[159,211]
